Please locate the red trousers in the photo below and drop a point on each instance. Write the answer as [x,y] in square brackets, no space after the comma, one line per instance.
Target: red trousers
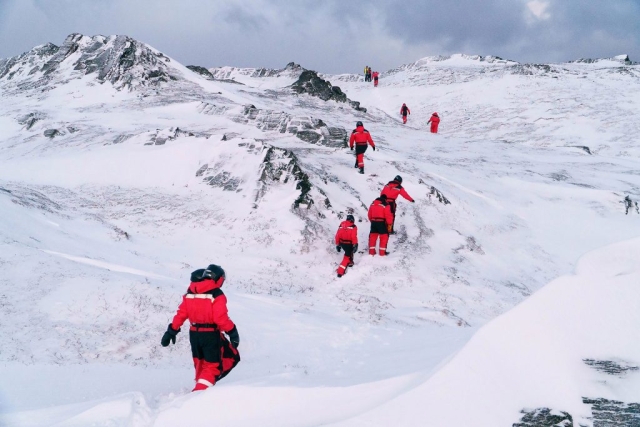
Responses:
[347,260]
[360,150]
[404,119]
[434,127]
[205,349]
[373,239]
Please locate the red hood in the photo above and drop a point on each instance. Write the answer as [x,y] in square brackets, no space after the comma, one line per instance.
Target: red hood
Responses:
[205,286]
[360,128]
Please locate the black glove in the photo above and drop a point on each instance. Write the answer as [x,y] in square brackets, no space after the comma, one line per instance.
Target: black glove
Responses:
[374,148]
[338,248]
[169,336]
[413,201]
[234,338]
[351,148]
[355,248]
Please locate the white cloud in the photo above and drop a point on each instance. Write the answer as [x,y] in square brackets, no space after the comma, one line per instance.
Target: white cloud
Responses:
[539,9]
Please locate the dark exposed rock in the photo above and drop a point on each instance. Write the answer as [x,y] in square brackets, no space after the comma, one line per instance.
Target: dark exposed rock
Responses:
[280,165]
[310,83]
[610,367]
[164,135]
[544,417]
[584,148]
[611,413]
[52,133]
[121,138]
[201,70]
[438,195]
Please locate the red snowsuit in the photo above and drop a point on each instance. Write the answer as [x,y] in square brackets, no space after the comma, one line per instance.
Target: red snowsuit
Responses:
[404,110]
[435,121]
[392,190]
[360,137]
[347,239]
[380,217]
[375,78]
[205,306]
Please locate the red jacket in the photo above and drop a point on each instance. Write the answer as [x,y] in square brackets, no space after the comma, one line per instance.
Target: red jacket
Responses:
[393,189]
[204,302]
[347,233]
[361,136]
[379,211]
[434,119]
[375,74]
[402,110]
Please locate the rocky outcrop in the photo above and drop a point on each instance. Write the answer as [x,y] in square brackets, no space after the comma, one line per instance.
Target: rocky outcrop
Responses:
[311,84]
[201,70]
[308,129]
[161,136]
[545,417]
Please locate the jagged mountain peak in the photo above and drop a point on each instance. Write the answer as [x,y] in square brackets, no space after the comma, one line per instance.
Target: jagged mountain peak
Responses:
[118,59]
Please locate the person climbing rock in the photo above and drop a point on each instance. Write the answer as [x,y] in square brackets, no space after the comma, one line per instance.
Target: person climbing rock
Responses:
[404,111]
[361,138]
[435,121]
[375,75]
[380,217]
[392,190]
[205,306]
[347,240]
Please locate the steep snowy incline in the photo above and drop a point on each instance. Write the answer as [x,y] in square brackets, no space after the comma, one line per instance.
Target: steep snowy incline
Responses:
[566,356]
[595,105]
[113,194]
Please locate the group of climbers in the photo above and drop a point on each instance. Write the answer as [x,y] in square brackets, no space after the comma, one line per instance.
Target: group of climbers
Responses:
[368,75]
[382,215]
[434,120]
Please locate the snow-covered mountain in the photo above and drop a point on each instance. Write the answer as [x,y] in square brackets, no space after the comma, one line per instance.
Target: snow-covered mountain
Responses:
[121,171]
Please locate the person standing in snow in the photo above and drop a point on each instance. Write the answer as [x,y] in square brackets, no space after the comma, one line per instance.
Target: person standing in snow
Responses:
[347,240]
[375,78]
[391,191]
[381,218]
[367,73]
[435,121]
[361,138]
[404,112]
[205,306]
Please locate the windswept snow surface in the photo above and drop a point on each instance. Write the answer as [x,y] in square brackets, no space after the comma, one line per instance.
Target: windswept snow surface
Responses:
[112,193]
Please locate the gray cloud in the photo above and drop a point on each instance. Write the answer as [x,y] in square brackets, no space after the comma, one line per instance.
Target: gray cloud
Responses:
[333,35]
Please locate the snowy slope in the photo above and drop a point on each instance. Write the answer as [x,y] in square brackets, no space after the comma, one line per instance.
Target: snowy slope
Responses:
[114,189]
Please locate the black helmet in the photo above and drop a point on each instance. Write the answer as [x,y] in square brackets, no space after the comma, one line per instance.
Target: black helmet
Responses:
[351,218]
[398,178]
[359,123]
[383,197]
[215,272]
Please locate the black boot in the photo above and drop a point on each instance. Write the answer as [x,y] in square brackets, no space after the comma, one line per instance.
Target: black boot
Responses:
[362,171]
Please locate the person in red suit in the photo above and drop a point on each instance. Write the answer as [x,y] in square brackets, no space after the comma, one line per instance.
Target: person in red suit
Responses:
[404,111]
[375,78]
[380,217]
[361,139]
[347,240]
[435,121]
[392,190]
[205,306]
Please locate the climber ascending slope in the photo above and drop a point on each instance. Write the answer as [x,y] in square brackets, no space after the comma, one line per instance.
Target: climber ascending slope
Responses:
[347,240]
[361,138]
[404,112]
[435,121]
[381,218]
[392,190]
[375,78]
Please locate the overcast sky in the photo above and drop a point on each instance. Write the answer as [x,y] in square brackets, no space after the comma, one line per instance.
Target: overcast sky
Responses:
[335,35]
